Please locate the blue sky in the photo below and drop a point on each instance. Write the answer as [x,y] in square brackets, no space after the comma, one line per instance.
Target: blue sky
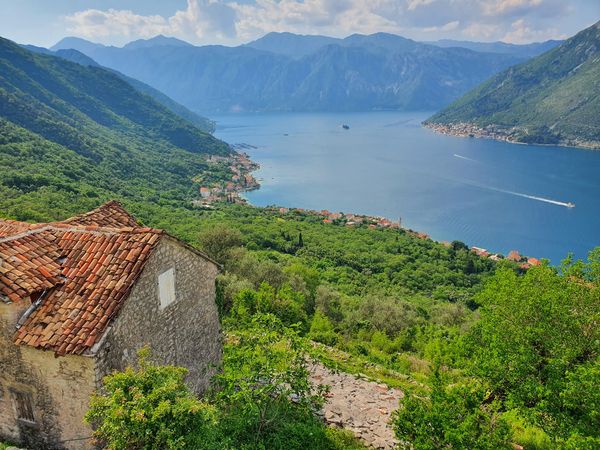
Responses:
[231,22]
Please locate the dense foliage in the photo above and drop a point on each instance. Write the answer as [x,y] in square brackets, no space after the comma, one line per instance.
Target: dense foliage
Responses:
[72,136]
[454,416]
[538,343]
[551,99]
[262,399]
[151,408]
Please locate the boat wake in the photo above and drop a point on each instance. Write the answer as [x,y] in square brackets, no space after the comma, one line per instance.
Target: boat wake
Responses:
[533,197]
[464,157]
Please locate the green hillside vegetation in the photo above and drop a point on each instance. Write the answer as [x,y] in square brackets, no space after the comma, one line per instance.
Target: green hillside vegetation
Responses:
[77,57]
[551,99]
[516,353]
[72,134]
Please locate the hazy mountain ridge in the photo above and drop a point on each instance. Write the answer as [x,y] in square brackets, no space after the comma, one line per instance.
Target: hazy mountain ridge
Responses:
[379,71]
[552,99]
[80,58]
[523,50]
[294,45]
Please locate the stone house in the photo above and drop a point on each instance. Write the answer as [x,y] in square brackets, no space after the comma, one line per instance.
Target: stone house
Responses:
[78,298]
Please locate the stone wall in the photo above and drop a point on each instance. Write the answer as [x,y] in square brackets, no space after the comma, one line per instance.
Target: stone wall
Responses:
[186,333]
[59,389]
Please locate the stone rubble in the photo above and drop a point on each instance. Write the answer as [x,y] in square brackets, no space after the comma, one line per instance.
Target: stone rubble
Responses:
[359,405]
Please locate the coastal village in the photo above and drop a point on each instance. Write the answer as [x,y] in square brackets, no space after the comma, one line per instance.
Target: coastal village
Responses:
[240,167]
[473,131]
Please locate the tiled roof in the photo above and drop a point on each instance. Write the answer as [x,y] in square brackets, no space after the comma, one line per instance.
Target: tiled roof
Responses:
[10,227]
[111,214]
[81,270]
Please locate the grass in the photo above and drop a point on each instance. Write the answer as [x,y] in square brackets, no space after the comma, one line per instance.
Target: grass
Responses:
[339,360]
[344,439]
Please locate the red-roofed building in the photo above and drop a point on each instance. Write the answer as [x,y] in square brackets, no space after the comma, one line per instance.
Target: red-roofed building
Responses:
[533,261]
[515,256]
[78,299]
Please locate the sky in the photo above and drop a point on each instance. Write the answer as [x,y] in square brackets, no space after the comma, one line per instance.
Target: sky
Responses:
[232,22]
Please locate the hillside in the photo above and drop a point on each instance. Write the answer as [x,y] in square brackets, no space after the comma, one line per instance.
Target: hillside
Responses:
[552,99]
[72,134]
[76,56]
[286,72]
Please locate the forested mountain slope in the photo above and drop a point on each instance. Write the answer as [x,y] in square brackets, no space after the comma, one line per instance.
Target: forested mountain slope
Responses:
[70,134]
[552,99]
[77,57]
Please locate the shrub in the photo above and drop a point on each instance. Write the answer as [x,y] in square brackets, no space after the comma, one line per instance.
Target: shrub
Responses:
[321,329]
[454,416]
[264,391]
[151,408]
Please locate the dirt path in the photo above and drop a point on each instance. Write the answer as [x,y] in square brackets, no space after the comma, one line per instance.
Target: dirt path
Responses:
[361,406]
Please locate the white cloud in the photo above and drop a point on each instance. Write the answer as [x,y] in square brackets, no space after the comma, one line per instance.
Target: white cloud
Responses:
[414,4]
[234,21]
[93,23]
[210,20]
[500,7]
[522,33]
[450,26]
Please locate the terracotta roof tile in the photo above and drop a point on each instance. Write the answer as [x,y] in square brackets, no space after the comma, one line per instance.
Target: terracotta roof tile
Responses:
[81,269]
[11,227]
[111,214]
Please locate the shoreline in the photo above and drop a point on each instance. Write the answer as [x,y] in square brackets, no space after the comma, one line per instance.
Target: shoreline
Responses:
[498,133]
[241,166]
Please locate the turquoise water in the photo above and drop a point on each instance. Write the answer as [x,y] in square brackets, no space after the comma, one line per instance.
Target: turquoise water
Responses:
[490,194]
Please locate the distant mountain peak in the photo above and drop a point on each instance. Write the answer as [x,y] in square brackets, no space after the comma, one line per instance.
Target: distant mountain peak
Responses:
[75,43]
[157,41]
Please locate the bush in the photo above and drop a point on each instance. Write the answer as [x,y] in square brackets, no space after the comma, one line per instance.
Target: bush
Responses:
[537,344]
[218,242]
[151,408]
[454,416]
[264,391]
[286,304]
[321,329]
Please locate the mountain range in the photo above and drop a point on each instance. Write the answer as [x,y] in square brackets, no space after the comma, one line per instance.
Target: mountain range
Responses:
[552,99]
[288,72]
[73,133]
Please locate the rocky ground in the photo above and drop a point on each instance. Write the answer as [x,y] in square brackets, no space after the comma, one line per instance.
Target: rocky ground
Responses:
[359,405]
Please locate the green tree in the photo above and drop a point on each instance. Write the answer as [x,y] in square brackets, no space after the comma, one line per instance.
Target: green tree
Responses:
[151,408]
[218,242]
[285,304]
[455,416]
[264,390]
[538,342]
